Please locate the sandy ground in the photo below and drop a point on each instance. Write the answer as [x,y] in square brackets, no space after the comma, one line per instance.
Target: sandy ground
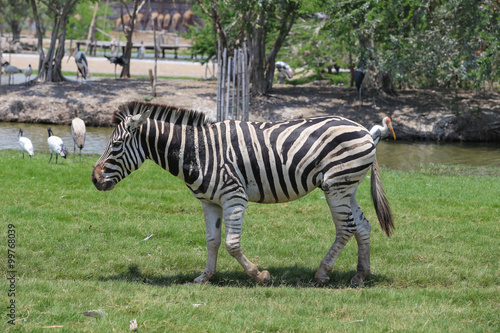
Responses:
[438,115]
[172,68]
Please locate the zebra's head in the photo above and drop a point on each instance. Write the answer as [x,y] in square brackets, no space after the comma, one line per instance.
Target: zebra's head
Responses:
[122,155]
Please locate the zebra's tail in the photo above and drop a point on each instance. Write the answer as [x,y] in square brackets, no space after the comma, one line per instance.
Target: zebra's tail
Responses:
[380,202]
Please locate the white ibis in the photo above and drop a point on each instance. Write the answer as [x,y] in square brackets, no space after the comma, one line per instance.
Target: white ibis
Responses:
[141,51]
[11,70]
[25,143]
[27,74]
[56,145]
[81,63]
[378,131]
[121,60]
[285,70]
[78,132]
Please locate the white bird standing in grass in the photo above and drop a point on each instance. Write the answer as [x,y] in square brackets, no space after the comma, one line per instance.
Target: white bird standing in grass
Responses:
[27,73]
[25,144]
[56,145]
[378,131]
[11,70]
[81,63]
[78,132]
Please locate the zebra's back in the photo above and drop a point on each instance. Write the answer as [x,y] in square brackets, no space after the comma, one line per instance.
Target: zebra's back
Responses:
[283,161]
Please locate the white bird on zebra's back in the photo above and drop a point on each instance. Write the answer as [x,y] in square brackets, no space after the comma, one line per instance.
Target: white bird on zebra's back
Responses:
[378,132]
[78,132]
[27,74]
[56,145]
[25,143]
[11,70]
[81,63]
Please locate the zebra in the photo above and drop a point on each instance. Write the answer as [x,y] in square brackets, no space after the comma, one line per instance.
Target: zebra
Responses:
[228,164]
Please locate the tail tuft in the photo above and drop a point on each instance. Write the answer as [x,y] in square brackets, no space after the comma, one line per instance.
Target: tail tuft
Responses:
[380,202]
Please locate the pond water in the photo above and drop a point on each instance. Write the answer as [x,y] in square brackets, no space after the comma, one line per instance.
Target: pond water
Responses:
[399,155]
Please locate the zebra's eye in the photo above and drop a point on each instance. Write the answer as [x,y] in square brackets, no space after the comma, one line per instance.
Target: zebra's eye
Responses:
[116,144]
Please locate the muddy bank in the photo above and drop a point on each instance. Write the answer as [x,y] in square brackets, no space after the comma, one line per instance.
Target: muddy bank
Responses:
[416,114]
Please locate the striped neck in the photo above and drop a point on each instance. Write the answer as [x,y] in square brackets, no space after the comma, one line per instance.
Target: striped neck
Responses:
[172,147]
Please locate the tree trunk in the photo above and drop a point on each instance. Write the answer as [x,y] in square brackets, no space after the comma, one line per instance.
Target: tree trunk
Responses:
[263,67]
[258,47]
[381,81]
[49,67]
[129,31]
[91,34]
[39,36]
[15,26]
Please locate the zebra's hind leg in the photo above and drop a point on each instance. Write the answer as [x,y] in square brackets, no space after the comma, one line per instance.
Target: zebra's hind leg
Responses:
[362,235]
[233,221]
[213,220]
[339,203]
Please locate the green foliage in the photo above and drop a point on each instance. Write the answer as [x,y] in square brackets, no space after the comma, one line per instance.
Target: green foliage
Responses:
[78,249]
[310,48]
[425,44]
[80,19]
[14,13]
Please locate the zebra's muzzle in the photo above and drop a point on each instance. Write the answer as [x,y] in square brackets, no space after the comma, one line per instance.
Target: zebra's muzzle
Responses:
[102,184]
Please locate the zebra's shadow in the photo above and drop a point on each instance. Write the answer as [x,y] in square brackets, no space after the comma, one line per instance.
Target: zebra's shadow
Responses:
[293,276]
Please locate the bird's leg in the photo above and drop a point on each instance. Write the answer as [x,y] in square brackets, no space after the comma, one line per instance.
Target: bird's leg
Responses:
[50,157]
[74,149]
[23,154]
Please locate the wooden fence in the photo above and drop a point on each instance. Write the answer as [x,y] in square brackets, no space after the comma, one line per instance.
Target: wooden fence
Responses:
[233,85]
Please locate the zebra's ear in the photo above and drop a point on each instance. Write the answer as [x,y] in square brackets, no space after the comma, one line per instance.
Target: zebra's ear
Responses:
[136,121]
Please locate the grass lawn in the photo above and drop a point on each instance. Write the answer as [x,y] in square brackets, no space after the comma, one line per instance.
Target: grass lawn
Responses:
[130,254]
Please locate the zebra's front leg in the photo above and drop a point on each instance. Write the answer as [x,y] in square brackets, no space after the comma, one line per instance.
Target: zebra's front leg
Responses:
[233,221]
[213,221]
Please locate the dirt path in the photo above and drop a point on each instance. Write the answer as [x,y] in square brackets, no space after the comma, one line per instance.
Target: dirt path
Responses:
[416,114]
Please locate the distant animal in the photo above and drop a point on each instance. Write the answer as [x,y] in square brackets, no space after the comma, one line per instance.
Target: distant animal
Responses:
[141,52]
[284,69]
[27,73]
[81,63]
[11,70]
[121,60]
[228,164]
[56,145]
[378,132]
[78,131]
[359,75]
[25,143]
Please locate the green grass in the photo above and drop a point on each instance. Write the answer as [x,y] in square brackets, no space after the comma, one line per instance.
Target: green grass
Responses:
[78,249]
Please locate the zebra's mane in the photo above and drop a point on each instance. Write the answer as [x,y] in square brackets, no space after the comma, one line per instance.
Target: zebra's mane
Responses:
[160,112]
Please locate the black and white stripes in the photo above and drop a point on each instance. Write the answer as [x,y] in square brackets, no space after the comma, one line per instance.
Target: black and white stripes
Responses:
[227,164]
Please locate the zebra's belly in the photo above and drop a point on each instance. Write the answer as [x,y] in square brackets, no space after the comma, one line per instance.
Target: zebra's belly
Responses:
[267,192]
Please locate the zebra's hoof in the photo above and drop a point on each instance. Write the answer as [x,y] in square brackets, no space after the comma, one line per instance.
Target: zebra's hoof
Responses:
[203,279]
[263,278]
[321,277]
[321,282]
[358,280]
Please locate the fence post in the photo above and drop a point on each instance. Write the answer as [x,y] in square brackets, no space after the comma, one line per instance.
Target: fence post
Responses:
[233,91]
